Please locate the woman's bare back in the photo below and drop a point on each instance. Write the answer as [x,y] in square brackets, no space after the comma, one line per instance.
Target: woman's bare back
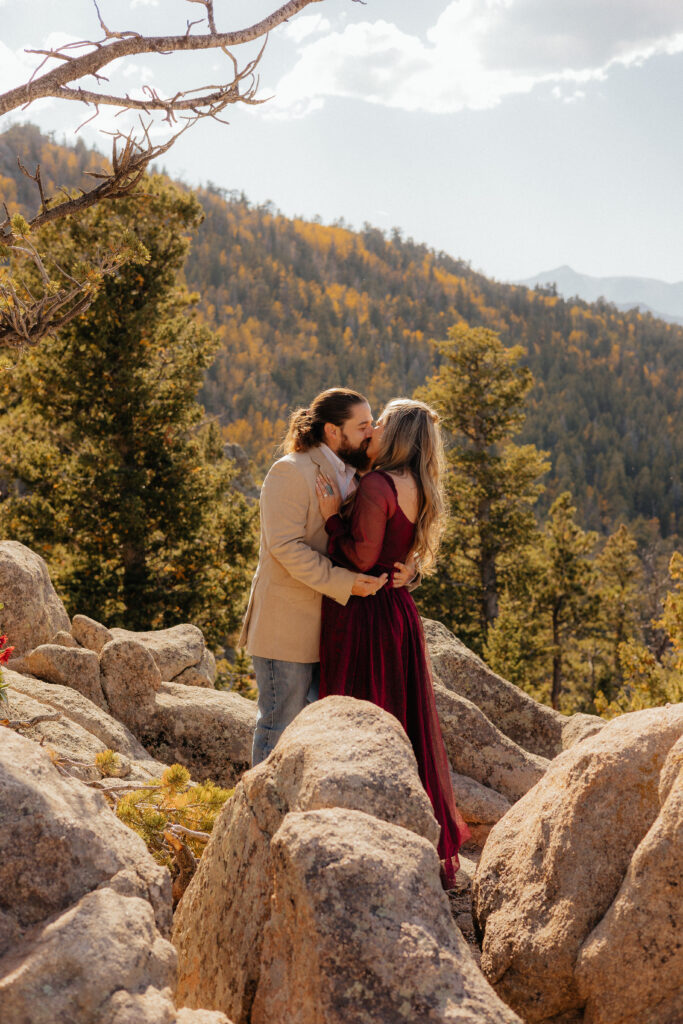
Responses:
[407,493]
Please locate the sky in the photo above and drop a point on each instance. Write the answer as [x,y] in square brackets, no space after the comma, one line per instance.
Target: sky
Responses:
[519,135]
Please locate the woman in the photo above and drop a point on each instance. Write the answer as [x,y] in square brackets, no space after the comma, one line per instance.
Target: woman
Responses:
[375,650]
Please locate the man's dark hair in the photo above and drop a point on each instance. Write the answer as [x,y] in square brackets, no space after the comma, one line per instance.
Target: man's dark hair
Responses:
[307,426]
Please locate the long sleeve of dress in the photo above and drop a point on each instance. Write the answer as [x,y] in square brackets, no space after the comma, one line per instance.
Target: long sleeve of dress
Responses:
[359,539]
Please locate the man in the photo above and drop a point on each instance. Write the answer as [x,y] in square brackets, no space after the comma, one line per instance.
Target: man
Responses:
[281,628]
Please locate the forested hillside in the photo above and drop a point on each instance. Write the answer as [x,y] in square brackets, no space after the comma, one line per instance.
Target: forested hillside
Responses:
[300,306]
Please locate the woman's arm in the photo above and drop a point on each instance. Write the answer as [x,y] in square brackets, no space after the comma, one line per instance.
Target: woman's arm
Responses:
[360,538]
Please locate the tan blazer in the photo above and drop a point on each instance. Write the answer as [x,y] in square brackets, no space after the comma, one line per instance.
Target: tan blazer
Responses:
[283,615]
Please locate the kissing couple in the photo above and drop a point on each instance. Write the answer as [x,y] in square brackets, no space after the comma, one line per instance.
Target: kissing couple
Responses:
[347,516]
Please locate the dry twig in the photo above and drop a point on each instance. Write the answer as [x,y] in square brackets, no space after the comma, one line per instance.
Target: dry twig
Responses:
[24,320]
[201,837]
[19,723]
[185,862]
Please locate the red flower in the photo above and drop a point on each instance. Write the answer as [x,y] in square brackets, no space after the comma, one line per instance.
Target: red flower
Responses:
[4,655]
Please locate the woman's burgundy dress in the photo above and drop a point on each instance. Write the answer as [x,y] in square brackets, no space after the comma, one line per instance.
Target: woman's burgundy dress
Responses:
[373,648]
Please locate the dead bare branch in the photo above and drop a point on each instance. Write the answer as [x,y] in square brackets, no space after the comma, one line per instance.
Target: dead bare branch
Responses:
[18,723]
[185,862]
[25,319]
[122,787]
[126,44]
[130,159]
[201,837]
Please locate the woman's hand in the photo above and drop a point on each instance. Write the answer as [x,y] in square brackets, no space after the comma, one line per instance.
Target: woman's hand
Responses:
[329,497]
[405,573]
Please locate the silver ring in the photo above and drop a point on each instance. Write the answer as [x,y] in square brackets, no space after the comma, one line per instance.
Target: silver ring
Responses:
[329,489]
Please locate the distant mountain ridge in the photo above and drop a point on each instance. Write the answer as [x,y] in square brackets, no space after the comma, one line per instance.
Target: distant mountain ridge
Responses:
[300,306]
[646,294]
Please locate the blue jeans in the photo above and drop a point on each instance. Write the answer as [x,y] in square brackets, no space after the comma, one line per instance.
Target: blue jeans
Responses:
[284,689]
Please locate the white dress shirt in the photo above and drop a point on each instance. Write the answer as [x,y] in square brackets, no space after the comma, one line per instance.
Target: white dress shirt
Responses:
[346,475]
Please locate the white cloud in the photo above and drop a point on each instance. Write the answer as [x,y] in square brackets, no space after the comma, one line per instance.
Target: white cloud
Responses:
[55,40]
[306,26]
[141,72]
[477,53]
[143,3]
[15,68]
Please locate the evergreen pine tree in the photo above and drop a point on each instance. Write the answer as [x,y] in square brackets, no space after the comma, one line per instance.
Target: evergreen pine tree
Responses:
[548,613]
[112,478]
[516,643]
[618,583]
[564,599]
[493,484]
[650,681]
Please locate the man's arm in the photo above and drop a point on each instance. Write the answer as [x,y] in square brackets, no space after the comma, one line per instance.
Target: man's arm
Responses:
[284,511]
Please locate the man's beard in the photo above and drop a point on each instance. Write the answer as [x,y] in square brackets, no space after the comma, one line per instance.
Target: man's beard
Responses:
[356,457]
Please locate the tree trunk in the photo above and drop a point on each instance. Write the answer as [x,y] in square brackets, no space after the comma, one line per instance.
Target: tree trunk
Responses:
[135,578]
[489,582]
[487,568]
[132,530]
[557,660]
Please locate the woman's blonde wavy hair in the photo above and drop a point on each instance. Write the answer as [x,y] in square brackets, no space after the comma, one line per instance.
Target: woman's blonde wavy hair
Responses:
[412,440]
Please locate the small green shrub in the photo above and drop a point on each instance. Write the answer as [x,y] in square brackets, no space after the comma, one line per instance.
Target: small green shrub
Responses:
[172,800]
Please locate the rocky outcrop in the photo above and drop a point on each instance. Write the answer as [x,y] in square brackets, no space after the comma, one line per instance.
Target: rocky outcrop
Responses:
[68,666]
[64,639]
[201,674]
[480,806]
[575,846]
[476,748]
[66,740]
[32,613]
[208,731]
[533,726]
[338,757]
[77,709]
[630,969]
[174,650]
[102,959]
[318,896]
[130,679]
[85,909]
[360,929]
[185,720]
[89,633]
[79,732]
